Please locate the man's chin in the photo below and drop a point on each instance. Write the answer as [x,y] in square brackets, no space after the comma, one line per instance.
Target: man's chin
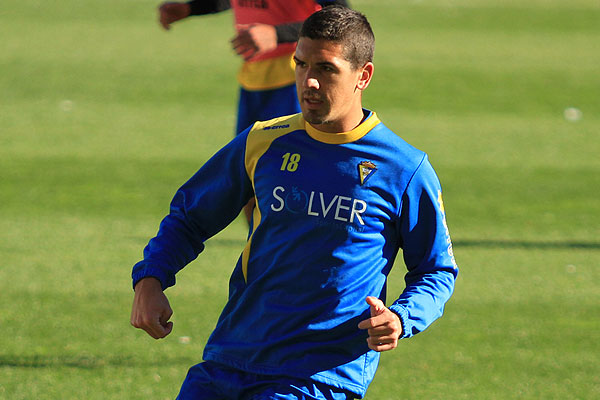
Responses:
[314,118]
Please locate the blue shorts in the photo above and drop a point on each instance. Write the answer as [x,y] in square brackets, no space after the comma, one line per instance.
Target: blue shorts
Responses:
[263,105]
[212,381]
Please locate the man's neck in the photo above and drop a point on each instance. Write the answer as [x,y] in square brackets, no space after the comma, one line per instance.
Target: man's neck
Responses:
[348,124]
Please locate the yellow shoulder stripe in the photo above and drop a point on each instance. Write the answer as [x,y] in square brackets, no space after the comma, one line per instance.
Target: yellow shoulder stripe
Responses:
[259,139]
[263,133]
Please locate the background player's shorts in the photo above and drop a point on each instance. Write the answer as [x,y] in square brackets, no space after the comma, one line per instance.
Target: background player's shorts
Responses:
[264,105]
[212,381]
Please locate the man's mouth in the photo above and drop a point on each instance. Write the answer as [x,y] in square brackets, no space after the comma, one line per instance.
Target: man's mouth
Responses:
[312,100]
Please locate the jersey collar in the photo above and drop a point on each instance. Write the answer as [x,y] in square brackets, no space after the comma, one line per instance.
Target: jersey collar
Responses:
[344,137]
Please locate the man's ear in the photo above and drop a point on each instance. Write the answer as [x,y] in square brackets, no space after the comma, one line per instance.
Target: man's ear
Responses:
[366,74]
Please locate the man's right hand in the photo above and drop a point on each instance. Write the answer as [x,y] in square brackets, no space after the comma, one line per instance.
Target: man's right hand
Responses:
[151,310]
[172,12]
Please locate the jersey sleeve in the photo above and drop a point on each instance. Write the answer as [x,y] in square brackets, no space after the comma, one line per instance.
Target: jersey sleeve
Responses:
[427,251]
[288,33]
[202,207]
[203,7]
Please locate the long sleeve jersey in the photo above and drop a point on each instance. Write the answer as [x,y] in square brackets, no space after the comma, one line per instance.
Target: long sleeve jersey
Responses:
[332,212]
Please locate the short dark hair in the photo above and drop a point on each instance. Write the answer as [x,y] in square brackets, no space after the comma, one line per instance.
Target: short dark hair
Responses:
[345,26]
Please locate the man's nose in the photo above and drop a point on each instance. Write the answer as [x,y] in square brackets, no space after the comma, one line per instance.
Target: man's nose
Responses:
[312,83]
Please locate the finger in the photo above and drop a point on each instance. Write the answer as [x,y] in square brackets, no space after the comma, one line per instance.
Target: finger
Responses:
[168,329]
[381,340]
[376,305]
[241,33]
[240,45]
[382,331]
[375,309]
[386,335]
[164,317]
[241,40]
[241,48]
[381,327]
[157,330]
[373,322]
[384,320]
[366,324]
[246,53]
[151,333]
[242,27]
[154,327]
[164,19]
[165,325]
[381,345]
[235,42]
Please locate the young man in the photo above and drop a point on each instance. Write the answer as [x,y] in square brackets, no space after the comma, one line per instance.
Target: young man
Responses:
[337,195]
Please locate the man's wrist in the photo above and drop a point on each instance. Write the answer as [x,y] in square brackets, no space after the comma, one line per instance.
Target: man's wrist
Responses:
[148,281]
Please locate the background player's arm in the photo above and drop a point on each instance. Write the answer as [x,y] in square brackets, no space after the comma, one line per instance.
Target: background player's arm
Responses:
[254,39]
[288,33]
[170,12]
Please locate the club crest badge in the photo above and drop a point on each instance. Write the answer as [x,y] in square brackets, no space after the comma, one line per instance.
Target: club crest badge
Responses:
[366,169]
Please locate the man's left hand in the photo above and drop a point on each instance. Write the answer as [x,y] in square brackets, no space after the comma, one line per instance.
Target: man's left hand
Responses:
[384,326]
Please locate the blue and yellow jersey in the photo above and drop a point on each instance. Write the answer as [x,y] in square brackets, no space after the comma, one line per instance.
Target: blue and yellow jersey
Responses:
[333,211]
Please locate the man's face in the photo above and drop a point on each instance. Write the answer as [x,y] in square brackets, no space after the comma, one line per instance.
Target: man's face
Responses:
[329,89]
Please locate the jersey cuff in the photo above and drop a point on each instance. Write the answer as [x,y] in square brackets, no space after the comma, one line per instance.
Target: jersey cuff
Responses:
[141,271]
[404,319]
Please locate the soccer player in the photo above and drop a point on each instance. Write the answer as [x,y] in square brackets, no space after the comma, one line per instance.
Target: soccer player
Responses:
[267,31]
[337,195]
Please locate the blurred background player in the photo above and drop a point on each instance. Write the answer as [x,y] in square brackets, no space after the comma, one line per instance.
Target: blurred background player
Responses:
[266,35]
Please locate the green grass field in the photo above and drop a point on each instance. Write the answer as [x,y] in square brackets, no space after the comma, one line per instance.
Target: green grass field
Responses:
[103,116]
